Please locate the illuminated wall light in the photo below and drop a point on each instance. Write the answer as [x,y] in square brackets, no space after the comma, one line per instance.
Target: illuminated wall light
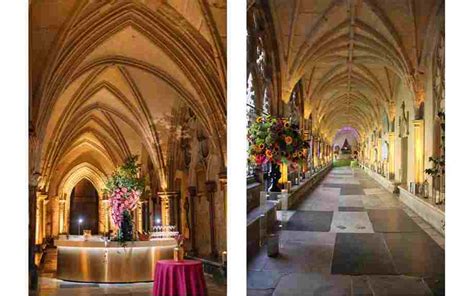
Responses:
[419,142]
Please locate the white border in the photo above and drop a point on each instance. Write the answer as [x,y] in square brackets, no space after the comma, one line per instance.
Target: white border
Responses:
[459,112]
[459,143]
[13,145]
[236,147]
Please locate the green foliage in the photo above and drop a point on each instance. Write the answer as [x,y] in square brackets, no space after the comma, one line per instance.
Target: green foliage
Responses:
[341,163]
[438,166]
[125,176]
[125,232]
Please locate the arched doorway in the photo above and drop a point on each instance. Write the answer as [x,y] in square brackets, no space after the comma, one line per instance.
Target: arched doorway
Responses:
[84,207]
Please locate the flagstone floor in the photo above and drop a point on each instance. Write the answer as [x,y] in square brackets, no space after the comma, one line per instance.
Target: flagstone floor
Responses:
[351,237]
[50,286]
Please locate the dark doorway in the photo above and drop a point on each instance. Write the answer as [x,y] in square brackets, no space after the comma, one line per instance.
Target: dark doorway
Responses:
[85,207]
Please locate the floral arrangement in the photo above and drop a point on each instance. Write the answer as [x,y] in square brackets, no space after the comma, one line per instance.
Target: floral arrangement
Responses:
[275,140]
[124,189]
[123,200]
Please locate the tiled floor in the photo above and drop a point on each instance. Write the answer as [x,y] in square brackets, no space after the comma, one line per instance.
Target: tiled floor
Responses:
[49,286]
[351,237]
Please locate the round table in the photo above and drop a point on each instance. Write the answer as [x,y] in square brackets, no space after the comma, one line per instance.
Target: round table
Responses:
[179,278]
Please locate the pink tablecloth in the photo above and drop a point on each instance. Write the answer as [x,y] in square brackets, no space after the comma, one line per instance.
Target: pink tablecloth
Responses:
[179,278]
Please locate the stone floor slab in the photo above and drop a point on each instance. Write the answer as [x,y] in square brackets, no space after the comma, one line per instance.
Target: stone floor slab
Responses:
[436,284]
[309,237]
[361,253]
[350,201]
[309,257]
[313,284]
[258,261]
[294,257]
[321,204]
[360,286]
[398,285]
[415,253]
[262,280]
[392,220]
[352,209]
[330,182]
[374,203]
[254,292]
[310,221]
[370,191]
[351,222]
[353,190]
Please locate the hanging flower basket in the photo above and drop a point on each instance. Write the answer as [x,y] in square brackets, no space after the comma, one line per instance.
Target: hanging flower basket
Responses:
[275,140]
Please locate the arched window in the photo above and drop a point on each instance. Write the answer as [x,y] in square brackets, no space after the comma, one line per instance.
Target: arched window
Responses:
[251,102]
[259,68]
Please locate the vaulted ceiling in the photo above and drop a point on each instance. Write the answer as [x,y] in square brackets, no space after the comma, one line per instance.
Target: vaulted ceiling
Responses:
[110,79]
[352,55]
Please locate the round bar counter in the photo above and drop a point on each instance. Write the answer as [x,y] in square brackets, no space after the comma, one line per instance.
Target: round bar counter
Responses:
[96,261]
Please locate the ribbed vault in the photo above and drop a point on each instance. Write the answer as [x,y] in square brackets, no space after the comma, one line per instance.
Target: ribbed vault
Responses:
[109,79]
[352,56]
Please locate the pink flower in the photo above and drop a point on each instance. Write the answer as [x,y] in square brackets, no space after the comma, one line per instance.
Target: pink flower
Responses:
[124,189]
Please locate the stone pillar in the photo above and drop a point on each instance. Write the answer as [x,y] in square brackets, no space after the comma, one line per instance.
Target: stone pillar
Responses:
[192,196]
[165,208]
[138,217]
[391,155]
[223,185]
[210,190]
[177,211]
[419,144]
[105,217]
[40,218]
[62,215]
[223,188]
[32,268]
[145,216]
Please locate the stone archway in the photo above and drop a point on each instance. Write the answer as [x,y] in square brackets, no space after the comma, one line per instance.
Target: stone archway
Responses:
[97,179]
[84,208]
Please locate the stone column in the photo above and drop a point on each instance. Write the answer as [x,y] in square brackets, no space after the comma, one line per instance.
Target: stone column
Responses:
[210,190]
[32,268]
[391,155]
[165,208]
[105,215]
[223,184]
[177,211]
[192,195]
[145,215]
[138,217]
[419,144]
[40,218]
[61,215]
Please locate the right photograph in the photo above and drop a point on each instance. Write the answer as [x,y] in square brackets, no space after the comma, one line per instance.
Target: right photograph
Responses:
[346,147]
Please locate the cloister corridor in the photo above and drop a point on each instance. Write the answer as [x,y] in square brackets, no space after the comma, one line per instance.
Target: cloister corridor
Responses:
[350,236]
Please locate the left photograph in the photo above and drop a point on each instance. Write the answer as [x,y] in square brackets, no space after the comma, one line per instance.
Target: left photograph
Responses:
[127,147]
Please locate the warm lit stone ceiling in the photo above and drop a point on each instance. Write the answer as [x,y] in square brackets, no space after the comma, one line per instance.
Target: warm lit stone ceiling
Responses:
[112,78]
[351,55]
